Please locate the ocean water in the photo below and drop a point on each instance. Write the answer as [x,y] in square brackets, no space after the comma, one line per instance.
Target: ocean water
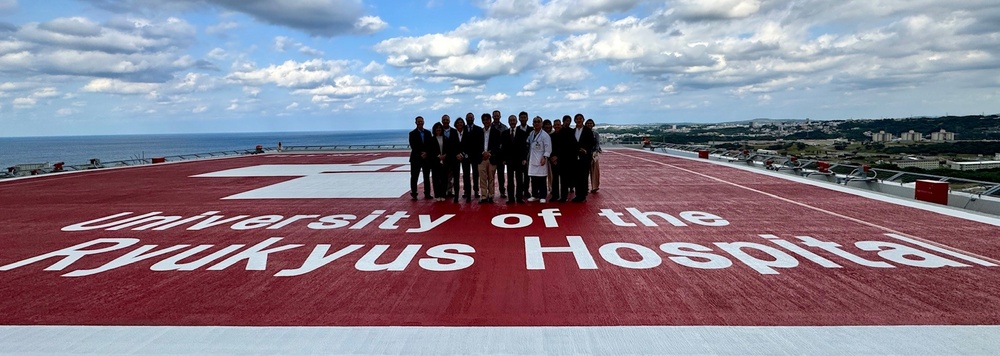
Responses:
[80,149]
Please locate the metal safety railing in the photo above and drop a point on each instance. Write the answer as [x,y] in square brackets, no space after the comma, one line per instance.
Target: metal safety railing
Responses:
[344,147]
[21,170]
[843,172]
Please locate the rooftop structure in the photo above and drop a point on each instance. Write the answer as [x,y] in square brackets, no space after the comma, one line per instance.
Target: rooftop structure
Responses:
[324,252]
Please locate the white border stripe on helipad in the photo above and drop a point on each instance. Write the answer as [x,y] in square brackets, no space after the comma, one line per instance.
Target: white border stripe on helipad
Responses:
[604,340]
[937,208]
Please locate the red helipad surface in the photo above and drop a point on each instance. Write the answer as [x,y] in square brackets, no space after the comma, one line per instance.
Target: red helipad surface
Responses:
[332,239]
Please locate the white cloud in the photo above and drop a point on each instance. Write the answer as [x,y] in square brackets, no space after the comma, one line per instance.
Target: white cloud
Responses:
[309,51]
[221,28]
[564,74]
[373,68]
[577,95]
[292,106]
[492,99]
[79,33]
[217,54]
[292,74]
[116,49]
[445,103]
[115,86]
[24,102]
[66,111]
[716,9]
[457,89]
[407,51]
[412,100]
[282,43]
[47,92]
[616,101]
[199,109]
[369,24]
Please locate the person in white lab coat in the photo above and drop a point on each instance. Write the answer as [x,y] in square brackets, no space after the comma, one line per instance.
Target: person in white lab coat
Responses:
[539,150]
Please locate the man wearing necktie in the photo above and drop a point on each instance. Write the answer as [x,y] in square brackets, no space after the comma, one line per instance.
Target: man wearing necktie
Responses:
[499,126]
[474,131]
[514,147]
[450,165]
[583,143]
[418,159]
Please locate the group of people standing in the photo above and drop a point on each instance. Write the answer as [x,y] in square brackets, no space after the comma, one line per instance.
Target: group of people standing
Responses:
[468,160]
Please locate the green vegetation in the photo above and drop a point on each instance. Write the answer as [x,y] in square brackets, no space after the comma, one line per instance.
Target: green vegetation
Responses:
[977,135]
[965,127]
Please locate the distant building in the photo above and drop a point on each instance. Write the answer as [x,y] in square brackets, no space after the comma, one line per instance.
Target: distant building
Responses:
[974,165]
[882,136]
[942,136]
[996,156]
[919,163]
[911,136]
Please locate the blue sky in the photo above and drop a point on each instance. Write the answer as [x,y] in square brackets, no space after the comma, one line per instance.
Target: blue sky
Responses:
[154,66]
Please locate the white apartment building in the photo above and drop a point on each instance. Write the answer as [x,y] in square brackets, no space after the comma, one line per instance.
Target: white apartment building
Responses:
[919,163]
[882,136]
[942,136]
[973,166]
[911,136]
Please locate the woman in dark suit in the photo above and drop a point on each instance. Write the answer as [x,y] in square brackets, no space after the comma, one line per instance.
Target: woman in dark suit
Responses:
[437,159]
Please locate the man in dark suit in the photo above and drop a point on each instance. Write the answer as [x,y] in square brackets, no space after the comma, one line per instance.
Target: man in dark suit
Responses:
[497,123]
[563,160]
[524,130]
[515,154]
[472,129]
[419,139]
[489,142]
[450,166]
[464,151]
[582,141]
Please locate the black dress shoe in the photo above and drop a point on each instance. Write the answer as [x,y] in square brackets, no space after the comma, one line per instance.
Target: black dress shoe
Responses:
[428,197]
[468,200]
[413,197]
[456,199]
[579,200]
[502,195]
